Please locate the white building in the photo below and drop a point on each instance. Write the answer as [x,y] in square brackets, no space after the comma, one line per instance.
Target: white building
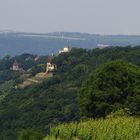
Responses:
[102,46]
[50,67]
[65,50]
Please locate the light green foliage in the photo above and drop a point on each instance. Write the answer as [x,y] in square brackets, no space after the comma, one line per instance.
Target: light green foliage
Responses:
[30,135]
[121,128]
[50,138]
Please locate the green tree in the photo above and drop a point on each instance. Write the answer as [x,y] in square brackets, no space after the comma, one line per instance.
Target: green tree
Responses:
[30,135]
[112,86]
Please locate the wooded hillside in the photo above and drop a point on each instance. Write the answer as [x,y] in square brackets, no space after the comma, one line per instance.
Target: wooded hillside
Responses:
[42,106]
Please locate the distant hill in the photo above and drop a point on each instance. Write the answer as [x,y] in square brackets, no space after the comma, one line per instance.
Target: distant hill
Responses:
[43,44]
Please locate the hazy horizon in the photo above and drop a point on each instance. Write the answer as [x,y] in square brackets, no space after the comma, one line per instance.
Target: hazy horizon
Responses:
[91,16]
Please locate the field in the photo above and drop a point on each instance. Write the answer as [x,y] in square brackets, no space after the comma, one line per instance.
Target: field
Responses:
[124,128]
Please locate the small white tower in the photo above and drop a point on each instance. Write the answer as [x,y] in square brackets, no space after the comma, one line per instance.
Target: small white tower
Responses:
[65,50]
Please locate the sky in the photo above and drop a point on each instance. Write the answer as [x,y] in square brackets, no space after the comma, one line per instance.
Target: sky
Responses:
[87,16]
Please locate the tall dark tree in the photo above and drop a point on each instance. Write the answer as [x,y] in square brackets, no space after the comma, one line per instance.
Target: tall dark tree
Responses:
[113,86]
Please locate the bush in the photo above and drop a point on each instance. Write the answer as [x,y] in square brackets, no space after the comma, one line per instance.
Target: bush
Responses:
[120,113]
[30,135]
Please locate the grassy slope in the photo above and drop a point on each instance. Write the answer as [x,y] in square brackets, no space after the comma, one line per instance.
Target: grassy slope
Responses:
[125,128]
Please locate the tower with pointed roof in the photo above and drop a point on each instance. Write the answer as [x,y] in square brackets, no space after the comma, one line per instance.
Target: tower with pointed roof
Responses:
[15,66]
[50,66]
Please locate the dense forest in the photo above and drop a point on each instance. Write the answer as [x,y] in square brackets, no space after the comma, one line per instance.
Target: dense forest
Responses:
[66,96]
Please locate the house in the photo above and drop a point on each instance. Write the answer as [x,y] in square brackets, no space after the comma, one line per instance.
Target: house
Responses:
[16,66]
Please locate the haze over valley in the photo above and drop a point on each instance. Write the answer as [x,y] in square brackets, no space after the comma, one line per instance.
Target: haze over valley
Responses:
[16,43]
